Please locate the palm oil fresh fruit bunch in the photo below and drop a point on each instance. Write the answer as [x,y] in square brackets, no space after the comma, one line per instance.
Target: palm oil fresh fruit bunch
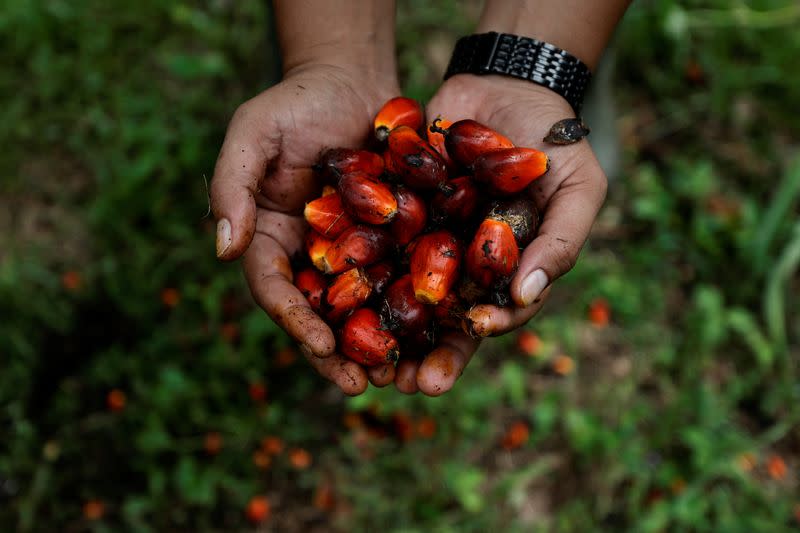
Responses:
[408,235]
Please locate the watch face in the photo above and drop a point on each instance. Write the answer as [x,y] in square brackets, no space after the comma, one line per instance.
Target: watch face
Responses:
[525,58]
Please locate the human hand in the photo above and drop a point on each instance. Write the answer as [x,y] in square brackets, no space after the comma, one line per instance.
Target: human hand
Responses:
[569,196]
[263,178]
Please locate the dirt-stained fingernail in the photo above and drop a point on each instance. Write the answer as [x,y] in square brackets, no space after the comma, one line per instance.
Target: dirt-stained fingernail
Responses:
[224,238]
[532,286]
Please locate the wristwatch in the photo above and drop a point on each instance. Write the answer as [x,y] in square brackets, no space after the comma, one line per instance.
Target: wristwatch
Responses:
[525,58]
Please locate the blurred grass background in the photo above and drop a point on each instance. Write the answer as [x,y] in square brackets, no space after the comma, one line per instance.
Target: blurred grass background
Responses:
[140,390]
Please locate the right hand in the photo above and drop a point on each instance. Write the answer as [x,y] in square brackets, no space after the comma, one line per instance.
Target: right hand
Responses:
[263,178]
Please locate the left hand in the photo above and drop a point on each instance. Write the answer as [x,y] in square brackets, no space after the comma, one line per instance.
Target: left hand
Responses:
[568,197]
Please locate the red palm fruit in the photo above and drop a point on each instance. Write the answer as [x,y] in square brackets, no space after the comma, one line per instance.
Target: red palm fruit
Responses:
[348,291]
[366,341]
[337,162]
[326,214]
[458,204]
[520,214]
[380,275]
[434,265]
[367,199]
[509,171]
[402,313]
[412,215]
[316,247]
[399,111]
[312,284]
[417,344]
[328,189]
[493,255]
[449,312]
[413,159]
[436,140]
[358,246]
[466,140]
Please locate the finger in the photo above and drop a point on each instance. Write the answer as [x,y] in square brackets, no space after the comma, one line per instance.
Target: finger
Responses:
[567,221]
[240,168]
[269,275]
[405,379]
[442,367]
[381,375]
[490,320]
[344,373]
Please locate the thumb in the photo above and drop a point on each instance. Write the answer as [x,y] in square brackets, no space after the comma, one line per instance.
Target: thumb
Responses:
[241,165]
[567,221]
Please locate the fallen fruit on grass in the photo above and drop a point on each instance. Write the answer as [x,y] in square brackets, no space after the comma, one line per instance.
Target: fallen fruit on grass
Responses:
[434,262]
[348,291]
[466,140]
[366,341]
[358,246]
[509,171]
[327,216]
[368,200]
[258,509]
[399,111]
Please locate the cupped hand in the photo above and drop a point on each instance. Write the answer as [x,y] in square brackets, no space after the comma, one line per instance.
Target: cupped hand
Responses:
[263,178]
[569,196]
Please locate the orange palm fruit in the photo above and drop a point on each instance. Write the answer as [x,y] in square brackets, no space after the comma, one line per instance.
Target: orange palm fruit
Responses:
[326,214]
[366,341]
[337,162]
[380,275]
[367,199]
[316,247]
[466,140]
[312,284]
[436,140]
[457,205]
[509,171]
[357,246]
[348,291]
[418,165]
[399,111]
[434,262]
[493,255]
[402,313]
[412,215]
[328,189]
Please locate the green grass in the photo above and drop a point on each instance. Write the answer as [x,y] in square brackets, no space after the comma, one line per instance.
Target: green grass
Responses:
[112,121]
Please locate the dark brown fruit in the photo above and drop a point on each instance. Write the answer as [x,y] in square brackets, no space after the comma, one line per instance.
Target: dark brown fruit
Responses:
[458,204]
[401,312]
[567,131]
[380,275]
[520,214]
[366,341]
[449,312]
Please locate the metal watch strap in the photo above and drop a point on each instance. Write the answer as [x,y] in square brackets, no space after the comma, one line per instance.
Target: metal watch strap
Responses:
[525,58]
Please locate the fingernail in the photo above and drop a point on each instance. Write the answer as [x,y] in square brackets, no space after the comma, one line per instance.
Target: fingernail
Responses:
[532,286]
[224,238]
